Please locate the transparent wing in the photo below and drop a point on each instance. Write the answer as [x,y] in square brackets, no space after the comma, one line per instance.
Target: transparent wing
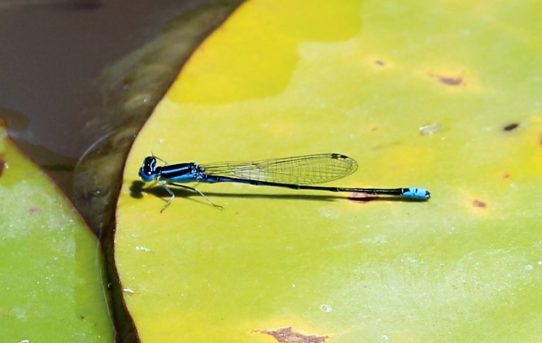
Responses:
[303,170]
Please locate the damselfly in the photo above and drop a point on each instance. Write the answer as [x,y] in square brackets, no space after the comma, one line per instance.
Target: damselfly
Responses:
[298,172]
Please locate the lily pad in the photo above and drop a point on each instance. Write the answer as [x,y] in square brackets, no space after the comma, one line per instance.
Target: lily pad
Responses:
[444,95]
[52,284]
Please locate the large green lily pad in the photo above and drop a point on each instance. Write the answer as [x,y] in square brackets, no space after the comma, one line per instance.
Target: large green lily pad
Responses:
[445,95]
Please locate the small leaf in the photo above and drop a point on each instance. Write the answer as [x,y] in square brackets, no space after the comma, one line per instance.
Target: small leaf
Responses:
[52,286]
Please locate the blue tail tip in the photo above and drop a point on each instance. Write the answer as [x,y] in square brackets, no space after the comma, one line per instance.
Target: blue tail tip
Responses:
[416,193]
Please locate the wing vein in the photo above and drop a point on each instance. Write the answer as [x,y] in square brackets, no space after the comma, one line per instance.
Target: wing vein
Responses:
[303,170]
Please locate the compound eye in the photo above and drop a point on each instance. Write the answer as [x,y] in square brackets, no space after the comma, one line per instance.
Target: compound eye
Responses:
[150,161]
[149,165]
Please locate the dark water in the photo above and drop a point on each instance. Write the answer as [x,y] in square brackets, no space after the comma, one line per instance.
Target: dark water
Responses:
[52,52]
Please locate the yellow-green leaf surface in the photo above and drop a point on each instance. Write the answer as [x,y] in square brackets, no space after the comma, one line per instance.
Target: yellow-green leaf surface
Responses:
[445,95]
[51,284]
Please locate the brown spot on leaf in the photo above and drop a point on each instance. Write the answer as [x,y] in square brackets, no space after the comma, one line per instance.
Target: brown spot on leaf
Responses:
[380,63]
[287,335]
[448,80]
[479,203]
[511,127]
[2,164]
[362,197]
[506,175]
[34,209]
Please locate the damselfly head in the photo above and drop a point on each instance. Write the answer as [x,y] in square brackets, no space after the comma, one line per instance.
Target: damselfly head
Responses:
[147,172]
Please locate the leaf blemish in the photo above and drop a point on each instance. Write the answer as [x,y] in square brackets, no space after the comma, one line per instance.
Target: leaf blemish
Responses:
[380,63]
[362,197]
[479,203]
[510,127]
[448,80]
[287,335]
